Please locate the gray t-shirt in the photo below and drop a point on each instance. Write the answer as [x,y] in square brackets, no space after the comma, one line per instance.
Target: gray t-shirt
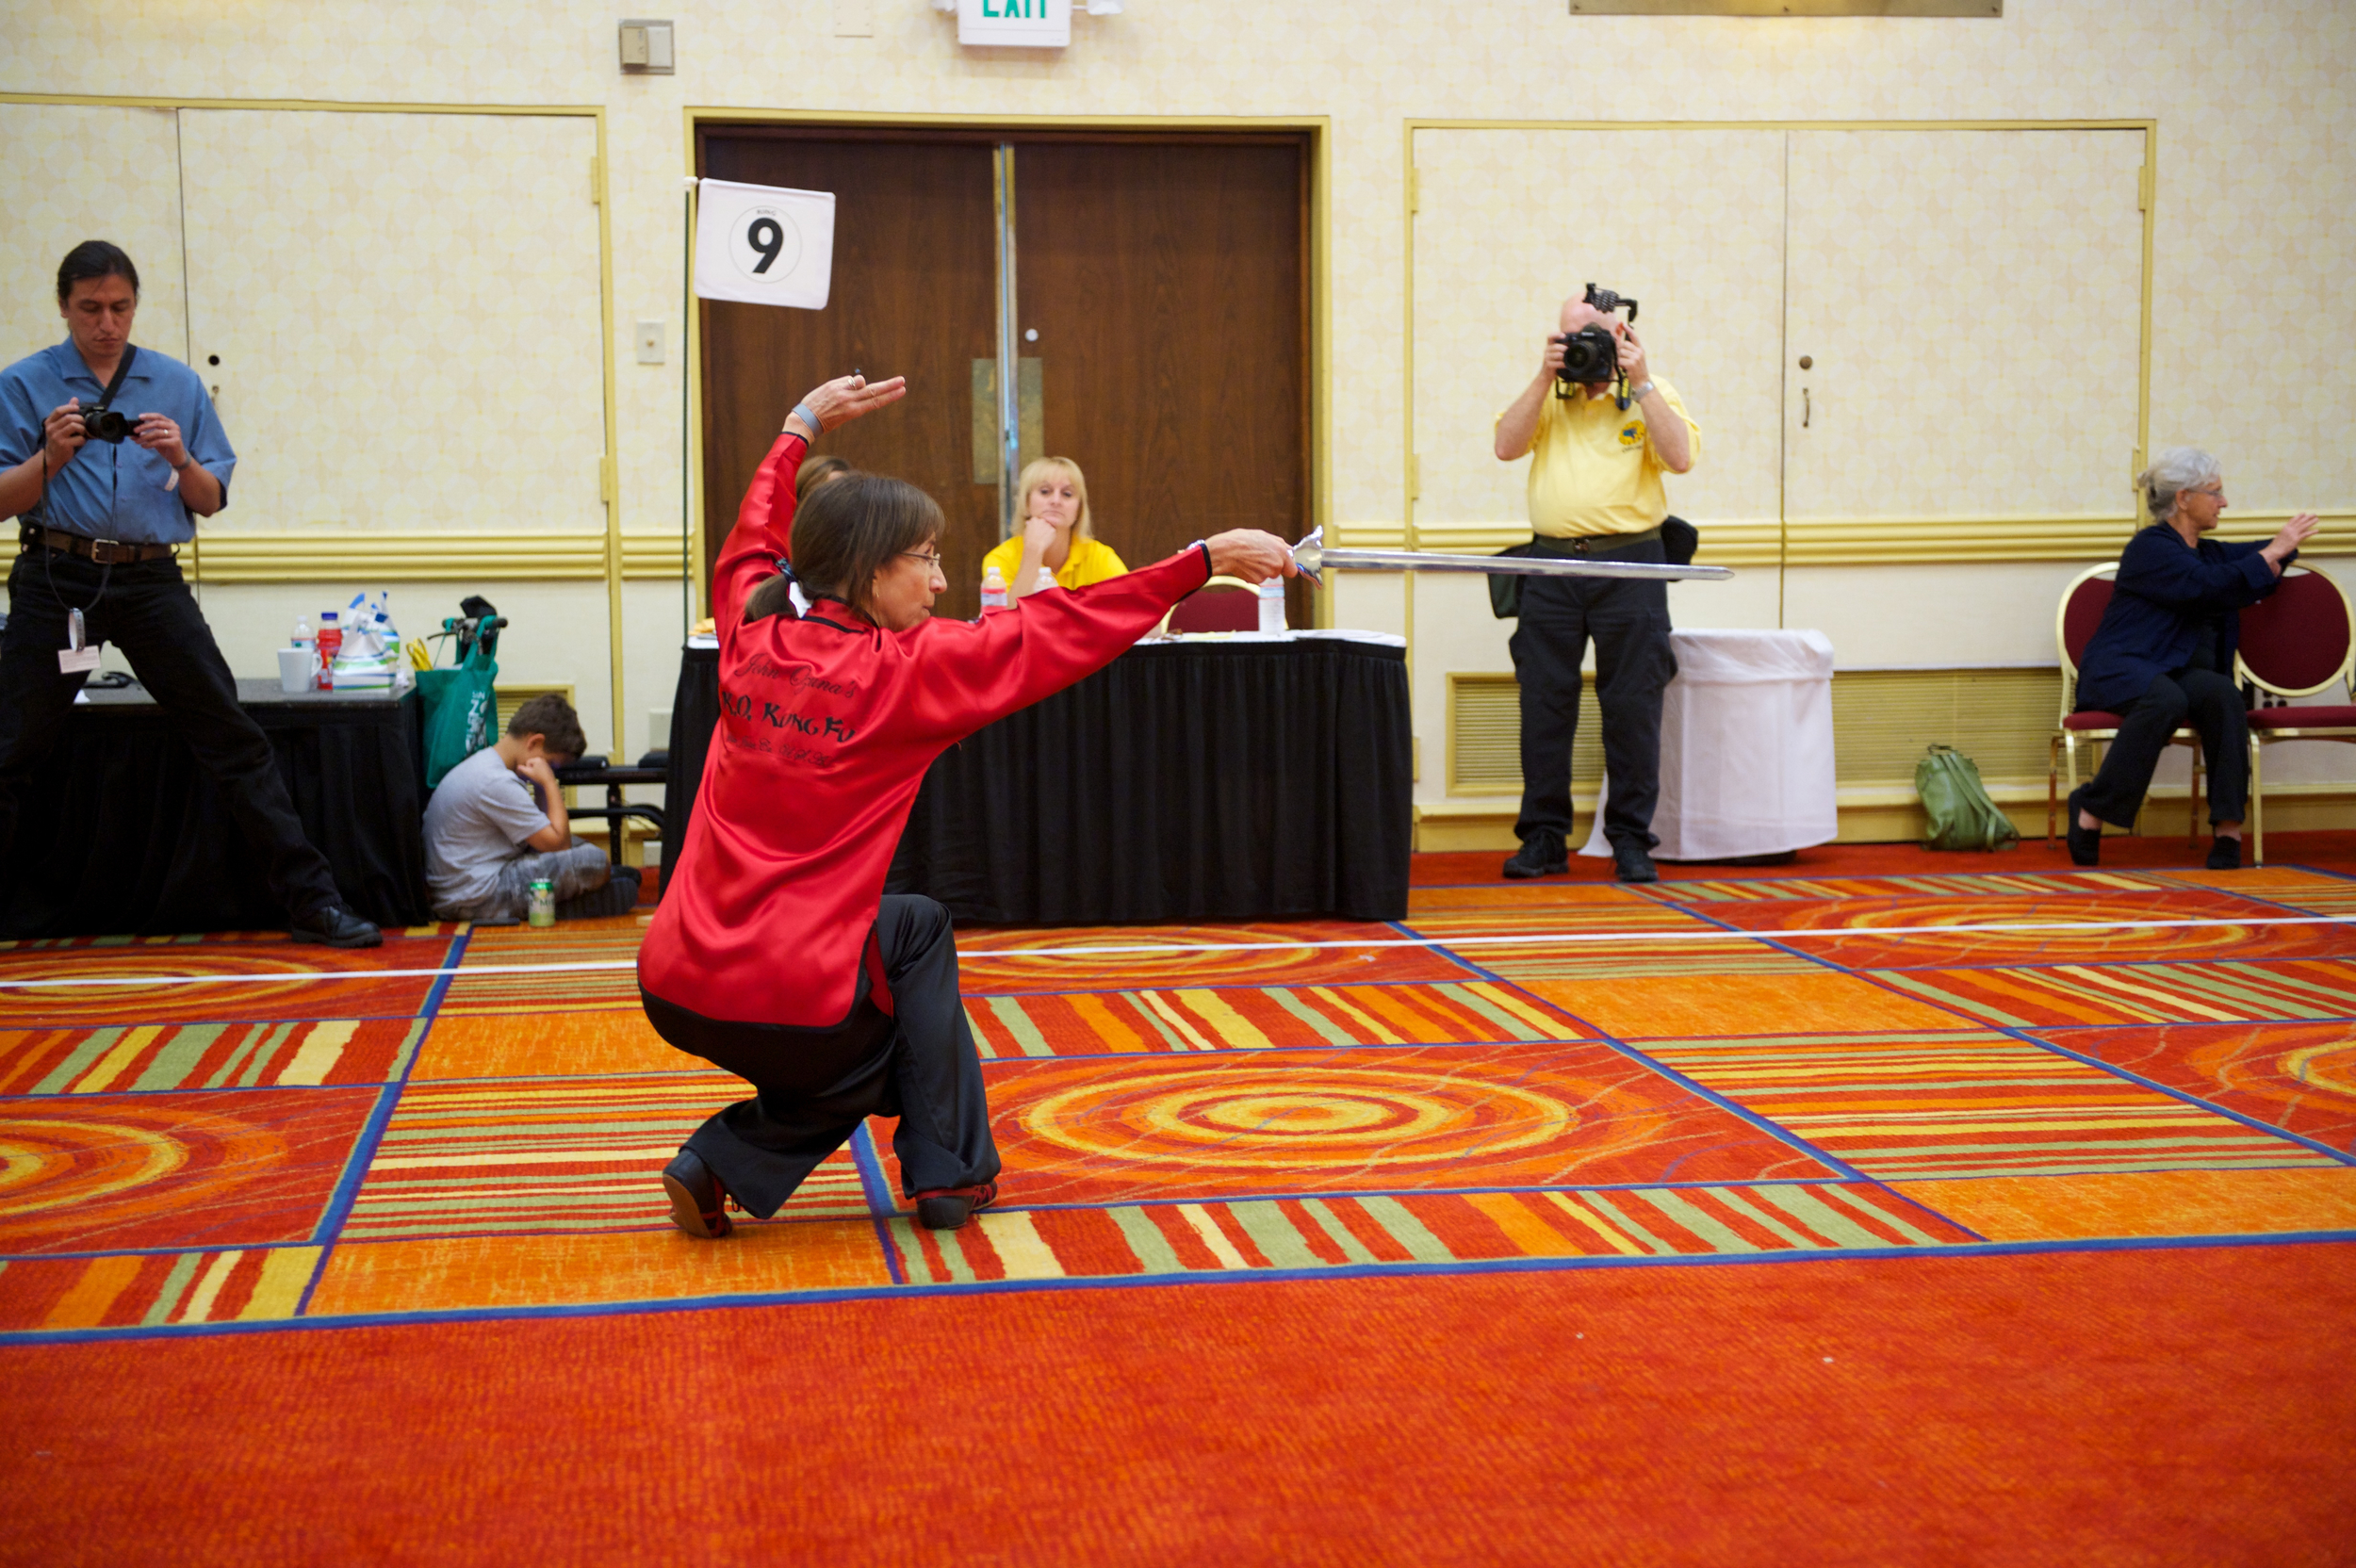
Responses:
[478,820]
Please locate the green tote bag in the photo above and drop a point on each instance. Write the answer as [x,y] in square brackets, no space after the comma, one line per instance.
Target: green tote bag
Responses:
[1957,810]
[460,712]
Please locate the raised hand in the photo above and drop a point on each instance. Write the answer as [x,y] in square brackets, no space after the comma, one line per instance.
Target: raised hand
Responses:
[847,398]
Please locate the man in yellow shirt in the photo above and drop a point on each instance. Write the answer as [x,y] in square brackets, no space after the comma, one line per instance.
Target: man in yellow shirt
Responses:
[1594,491]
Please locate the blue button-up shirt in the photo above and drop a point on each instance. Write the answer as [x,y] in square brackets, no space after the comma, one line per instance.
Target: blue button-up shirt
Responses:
[112,490]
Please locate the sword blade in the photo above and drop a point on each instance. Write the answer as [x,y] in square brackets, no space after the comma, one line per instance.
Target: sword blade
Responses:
[1313,557]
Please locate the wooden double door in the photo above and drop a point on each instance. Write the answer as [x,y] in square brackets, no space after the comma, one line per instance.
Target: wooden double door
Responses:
[1156,330]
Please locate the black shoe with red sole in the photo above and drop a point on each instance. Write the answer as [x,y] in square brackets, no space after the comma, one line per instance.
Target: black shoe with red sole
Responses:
[949,1208]
[698,1201]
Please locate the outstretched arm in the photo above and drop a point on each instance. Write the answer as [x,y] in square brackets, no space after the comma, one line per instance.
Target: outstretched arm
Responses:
[970,672]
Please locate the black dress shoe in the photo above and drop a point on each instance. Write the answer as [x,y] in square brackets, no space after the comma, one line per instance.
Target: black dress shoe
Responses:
[2086,843]
[698,1201]
[949,1208]
[2225,854]
[1543,854]
[1633,863]
[619,896]
[334,927]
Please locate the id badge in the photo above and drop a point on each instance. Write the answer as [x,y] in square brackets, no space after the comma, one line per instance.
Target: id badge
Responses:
[76,659]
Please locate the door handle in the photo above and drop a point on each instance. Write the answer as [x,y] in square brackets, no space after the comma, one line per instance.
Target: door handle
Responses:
[1804,410]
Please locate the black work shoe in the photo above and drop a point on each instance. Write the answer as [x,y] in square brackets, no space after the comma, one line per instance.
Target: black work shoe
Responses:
[1543,854]
[2086,843]
[698,1201]
[619,896]
[1633,863]
[2225,854]
[949,1208]
[334,927]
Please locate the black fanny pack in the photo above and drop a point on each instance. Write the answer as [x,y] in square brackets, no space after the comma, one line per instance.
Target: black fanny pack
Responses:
[1678,540]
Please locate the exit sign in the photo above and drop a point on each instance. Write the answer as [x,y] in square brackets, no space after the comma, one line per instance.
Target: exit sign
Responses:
[1015,24]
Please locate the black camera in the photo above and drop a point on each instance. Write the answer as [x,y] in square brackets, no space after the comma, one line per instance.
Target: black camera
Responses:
[1590,354]
[108,424]
[1593,353]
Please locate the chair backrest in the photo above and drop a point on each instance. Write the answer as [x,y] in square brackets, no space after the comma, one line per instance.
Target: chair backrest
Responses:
[1222,604]
[2082,606]
[2298,640]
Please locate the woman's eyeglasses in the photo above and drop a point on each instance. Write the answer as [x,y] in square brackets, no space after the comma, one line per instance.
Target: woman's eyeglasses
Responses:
[930,558]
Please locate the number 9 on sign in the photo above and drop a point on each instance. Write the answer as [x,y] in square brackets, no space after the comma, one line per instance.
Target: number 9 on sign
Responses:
[765,245]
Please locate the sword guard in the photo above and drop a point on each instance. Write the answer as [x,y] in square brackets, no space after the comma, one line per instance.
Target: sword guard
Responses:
[1309,555]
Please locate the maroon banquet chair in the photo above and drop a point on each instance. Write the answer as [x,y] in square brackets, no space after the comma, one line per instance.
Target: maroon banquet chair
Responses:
[2082,606]
[2298,641]
[1222,604]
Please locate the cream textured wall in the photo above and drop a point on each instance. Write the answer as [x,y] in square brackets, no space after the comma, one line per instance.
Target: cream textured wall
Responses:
[2254,338]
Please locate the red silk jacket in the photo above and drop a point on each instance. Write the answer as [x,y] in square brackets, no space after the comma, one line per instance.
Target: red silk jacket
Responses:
[827,726]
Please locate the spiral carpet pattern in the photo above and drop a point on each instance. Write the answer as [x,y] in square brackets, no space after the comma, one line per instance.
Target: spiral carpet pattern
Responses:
[1938,1103]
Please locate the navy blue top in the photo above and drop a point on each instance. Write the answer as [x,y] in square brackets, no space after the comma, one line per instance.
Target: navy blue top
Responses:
[112,490]
[2167,594]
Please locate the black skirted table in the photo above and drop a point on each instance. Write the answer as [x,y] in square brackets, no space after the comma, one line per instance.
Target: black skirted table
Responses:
[1199,778]
[120,831]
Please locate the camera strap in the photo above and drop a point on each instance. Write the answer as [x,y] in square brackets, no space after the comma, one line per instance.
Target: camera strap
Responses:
[123,369]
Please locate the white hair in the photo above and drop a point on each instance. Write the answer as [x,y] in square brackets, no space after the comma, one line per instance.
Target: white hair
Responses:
[2173,472]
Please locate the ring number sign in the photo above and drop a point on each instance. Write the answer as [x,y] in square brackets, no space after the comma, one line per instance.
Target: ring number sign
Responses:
[764,245]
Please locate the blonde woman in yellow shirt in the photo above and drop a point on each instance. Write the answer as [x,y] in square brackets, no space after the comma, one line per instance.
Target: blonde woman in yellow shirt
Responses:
[1057,533]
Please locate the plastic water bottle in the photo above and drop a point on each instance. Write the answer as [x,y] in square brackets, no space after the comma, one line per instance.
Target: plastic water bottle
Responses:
[331,641]
[1046,580]
[993,589]
[1272,605]
[307,639]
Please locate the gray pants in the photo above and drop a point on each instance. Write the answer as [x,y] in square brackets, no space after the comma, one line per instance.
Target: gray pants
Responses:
[577,868]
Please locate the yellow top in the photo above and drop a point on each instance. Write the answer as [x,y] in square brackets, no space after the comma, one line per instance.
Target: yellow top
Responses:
[1091,561]
[1593,469]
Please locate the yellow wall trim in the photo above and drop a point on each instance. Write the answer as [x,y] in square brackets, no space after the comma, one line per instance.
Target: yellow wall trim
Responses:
[567,557]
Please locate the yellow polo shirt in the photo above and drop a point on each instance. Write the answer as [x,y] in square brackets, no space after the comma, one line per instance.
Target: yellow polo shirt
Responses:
[1593,469]
[1091,561]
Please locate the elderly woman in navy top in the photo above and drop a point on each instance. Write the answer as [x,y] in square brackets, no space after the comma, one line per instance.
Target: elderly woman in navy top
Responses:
[2164,654]
[105,504]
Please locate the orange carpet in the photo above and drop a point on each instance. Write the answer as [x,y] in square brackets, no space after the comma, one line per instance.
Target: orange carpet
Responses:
[1878,1207]
[2184,1406]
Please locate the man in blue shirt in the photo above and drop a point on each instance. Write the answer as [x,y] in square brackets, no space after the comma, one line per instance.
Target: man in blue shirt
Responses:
[103,505]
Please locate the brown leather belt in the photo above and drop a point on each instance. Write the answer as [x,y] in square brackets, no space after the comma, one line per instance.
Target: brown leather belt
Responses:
[104,553]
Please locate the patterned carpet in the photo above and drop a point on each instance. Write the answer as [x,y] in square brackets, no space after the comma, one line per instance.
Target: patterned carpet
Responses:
[1558,1075]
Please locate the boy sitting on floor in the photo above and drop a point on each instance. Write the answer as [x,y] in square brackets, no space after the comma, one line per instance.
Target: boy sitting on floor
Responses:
[497,823]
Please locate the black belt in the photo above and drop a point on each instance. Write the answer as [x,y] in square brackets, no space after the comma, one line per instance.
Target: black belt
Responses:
[104,553]
[1594,544]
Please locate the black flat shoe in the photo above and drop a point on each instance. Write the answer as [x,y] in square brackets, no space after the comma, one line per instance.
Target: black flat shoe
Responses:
[334,927]
[2225,854]
[1633,863]
[698,1201]
[949,1208]
[1543,854]
[2086,843]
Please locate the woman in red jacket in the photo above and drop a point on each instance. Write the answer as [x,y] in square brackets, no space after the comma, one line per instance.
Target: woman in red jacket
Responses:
[774,953]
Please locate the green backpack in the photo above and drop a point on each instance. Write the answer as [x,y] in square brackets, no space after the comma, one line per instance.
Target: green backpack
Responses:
[1957,810]
[460,712]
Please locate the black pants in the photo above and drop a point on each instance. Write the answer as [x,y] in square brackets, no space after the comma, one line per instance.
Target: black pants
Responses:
[2212,703]
[816,1085]
[149,613]
[1630,623]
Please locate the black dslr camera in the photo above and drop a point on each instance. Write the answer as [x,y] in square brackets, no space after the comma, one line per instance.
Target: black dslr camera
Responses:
[108,424]
[1593,353]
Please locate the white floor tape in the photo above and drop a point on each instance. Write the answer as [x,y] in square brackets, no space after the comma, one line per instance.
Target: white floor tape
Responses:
[1520,939]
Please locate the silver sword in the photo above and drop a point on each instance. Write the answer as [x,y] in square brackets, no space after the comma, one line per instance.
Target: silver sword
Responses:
[1315,557]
